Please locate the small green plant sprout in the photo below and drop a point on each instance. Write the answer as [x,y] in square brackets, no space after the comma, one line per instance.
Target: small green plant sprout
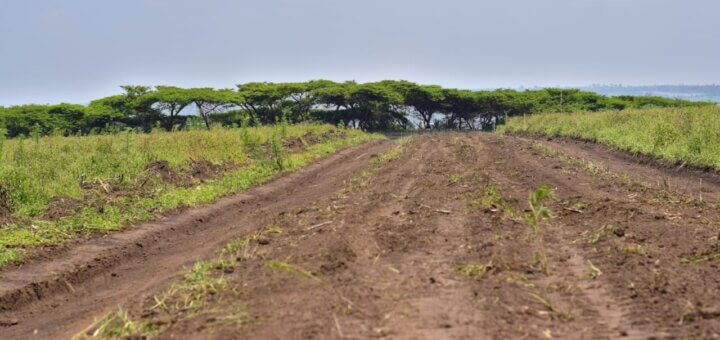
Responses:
[593,273]
[454,178]
[538,211]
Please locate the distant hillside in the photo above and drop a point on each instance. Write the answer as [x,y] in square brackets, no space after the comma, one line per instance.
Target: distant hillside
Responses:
[689,92]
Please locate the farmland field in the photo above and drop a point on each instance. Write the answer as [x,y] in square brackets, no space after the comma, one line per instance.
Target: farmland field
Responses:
[443,235]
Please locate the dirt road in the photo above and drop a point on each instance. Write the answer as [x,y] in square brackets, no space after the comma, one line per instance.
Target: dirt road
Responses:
[431,245]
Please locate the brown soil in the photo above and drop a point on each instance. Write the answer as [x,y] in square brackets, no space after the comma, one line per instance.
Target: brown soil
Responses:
[294,144]
[197,171]
[61,206]
[382,259]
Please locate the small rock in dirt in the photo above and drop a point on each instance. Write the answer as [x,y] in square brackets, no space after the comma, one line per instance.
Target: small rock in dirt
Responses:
[229,270]
[263,240]
[432,280]
[163,320]
[709,313]
[8,322]
[619,232]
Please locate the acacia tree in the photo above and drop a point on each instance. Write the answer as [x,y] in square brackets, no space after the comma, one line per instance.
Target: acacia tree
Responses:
[426,100]
[128,108]
[461,106]
[209,101]
[371,106]
[170,101]
[262,100]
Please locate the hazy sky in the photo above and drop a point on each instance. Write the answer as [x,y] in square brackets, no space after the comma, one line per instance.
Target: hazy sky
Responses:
[77,50]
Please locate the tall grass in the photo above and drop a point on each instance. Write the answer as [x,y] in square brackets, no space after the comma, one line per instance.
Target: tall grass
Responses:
[690,135]
[34,171]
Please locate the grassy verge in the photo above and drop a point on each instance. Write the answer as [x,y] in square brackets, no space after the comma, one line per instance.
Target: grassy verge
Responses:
[690,135]
[205,286]
[108,178]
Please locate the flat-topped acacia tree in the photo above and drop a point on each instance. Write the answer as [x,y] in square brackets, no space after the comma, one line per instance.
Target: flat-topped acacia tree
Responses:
[209,101]
[169,100]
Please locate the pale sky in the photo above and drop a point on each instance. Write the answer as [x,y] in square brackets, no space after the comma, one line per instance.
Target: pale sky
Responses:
[76,50]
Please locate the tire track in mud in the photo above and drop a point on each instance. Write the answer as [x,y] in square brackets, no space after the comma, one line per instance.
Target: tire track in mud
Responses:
[381,259]
[56,298]
[593,300]
[638,235]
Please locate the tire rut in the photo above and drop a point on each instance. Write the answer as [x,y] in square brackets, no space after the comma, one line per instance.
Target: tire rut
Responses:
[57,298]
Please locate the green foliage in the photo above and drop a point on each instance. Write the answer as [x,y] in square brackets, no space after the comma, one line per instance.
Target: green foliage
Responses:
[690,135]
[387,104]
[538,211]
[107,175]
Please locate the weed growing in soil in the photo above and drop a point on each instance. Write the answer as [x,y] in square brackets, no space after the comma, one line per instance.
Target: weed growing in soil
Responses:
[474,271]
[538,213]
[119,325]
[290,269]
[239,246]
[555,311]
[594,271]
[454,178]
[492,198]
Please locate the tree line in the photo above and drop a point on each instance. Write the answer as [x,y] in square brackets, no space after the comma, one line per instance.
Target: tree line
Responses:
[383,105]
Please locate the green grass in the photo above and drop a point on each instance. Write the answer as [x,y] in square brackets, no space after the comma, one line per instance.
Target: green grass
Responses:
[492,198]
[34,171]
[690,135]
[474,271]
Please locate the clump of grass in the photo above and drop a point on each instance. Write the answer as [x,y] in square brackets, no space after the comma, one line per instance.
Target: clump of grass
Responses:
[119,325]
[492,198]
[454,178]
[290,269]
[239,245]
[475,271]
[687,135]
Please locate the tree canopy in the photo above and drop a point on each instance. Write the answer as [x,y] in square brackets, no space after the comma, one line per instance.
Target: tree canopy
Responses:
[388,104]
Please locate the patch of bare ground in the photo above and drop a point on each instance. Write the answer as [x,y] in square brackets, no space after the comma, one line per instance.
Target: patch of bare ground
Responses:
[433,243]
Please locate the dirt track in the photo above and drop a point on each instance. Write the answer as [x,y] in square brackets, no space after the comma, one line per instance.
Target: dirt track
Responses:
[383,255]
